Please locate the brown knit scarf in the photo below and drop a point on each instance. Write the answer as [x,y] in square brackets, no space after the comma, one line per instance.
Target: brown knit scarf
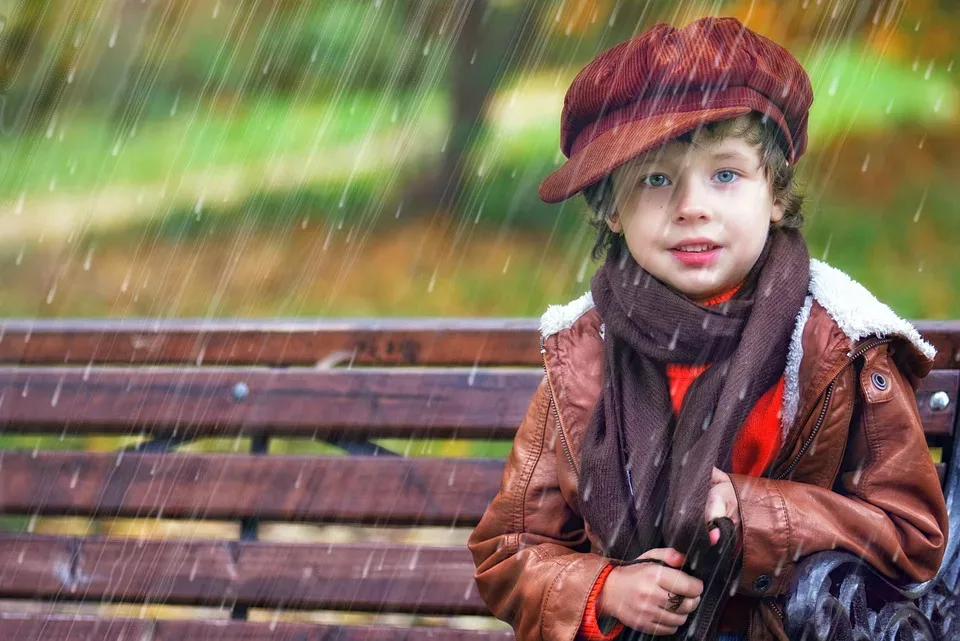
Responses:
[646,473]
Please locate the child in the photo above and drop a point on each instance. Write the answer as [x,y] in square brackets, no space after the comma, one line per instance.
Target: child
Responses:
[718,406]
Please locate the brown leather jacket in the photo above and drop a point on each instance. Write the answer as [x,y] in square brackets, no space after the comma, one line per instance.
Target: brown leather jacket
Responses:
[854,472]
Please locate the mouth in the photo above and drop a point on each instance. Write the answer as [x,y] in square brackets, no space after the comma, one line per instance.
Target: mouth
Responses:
[695,248]
[696,254]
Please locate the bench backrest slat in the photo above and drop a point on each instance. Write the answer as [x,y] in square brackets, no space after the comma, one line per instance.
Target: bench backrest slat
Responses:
[480,342]
[391,578]
[462,403]
[390,491]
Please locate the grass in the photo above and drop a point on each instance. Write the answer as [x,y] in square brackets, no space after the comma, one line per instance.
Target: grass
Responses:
[84,153]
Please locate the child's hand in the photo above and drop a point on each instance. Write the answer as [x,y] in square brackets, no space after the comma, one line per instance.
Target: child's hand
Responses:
[638,595]
[721,501]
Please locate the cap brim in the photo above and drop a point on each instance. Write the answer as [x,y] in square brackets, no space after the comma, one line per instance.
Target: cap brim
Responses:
[615,147]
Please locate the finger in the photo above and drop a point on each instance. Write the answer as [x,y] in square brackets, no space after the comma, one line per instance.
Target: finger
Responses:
[669,618]
[678,582]
[715,507]
[689,605]
[717,476]
[670,556]
[714,536]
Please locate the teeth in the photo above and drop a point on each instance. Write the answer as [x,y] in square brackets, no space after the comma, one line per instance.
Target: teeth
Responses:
[695,248]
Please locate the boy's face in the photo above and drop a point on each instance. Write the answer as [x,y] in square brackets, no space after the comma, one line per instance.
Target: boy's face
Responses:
[675,199]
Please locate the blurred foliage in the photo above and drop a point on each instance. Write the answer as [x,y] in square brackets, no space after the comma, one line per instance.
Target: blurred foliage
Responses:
[172,129]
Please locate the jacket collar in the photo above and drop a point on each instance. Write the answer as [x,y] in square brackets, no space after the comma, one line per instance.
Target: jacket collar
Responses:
[837,313]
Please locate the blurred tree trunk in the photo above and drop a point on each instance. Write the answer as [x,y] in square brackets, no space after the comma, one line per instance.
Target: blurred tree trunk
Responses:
[35,22]
[485,49]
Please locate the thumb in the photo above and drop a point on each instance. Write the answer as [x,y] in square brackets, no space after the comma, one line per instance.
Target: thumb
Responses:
[715,507]
[673,558]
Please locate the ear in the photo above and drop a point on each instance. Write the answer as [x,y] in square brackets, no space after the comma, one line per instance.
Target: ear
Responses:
[613,222]
[777,211]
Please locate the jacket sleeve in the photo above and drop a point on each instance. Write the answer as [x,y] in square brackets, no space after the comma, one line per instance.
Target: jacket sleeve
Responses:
[886,505]
[534,568]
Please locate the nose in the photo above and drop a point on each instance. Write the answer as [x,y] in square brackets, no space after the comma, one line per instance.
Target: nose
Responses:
[691,201]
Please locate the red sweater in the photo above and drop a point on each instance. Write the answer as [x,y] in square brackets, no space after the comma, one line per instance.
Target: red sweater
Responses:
[757,443]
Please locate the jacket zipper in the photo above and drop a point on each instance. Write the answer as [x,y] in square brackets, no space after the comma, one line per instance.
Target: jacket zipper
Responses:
[772,602]
[826,403]
[813,434]
[556,413]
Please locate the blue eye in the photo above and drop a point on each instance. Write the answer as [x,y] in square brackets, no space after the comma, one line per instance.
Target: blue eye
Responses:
[726,176]
[655,180]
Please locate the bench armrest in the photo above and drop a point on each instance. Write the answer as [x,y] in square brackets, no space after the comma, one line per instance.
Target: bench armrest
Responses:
[835,595]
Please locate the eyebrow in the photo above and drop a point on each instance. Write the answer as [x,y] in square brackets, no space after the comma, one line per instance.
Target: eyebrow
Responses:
[731,155]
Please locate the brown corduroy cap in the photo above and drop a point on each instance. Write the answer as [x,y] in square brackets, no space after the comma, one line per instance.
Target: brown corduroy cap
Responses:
[665,82]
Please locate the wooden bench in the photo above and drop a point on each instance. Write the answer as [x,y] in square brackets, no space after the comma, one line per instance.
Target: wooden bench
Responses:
[282,391]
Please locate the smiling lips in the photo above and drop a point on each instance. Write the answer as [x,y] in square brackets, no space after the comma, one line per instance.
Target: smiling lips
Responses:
[696,253]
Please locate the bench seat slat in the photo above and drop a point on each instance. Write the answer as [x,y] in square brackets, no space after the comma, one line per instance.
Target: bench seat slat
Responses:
[16,627]
[354,577]
[463,403]
[340,489]
[421,341]
[204,401]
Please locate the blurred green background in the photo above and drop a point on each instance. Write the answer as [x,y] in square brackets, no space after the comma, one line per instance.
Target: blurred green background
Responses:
[208,158]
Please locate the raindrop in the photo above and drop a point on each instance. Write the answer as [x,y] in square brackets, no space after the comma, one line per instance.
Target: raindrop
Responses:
[216,10]
[856,475]
[865,165]
[113,36]
[832,90]
[56,394]
[582,272]
[673,341]
[923,200]
[413,560]
[926,75]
